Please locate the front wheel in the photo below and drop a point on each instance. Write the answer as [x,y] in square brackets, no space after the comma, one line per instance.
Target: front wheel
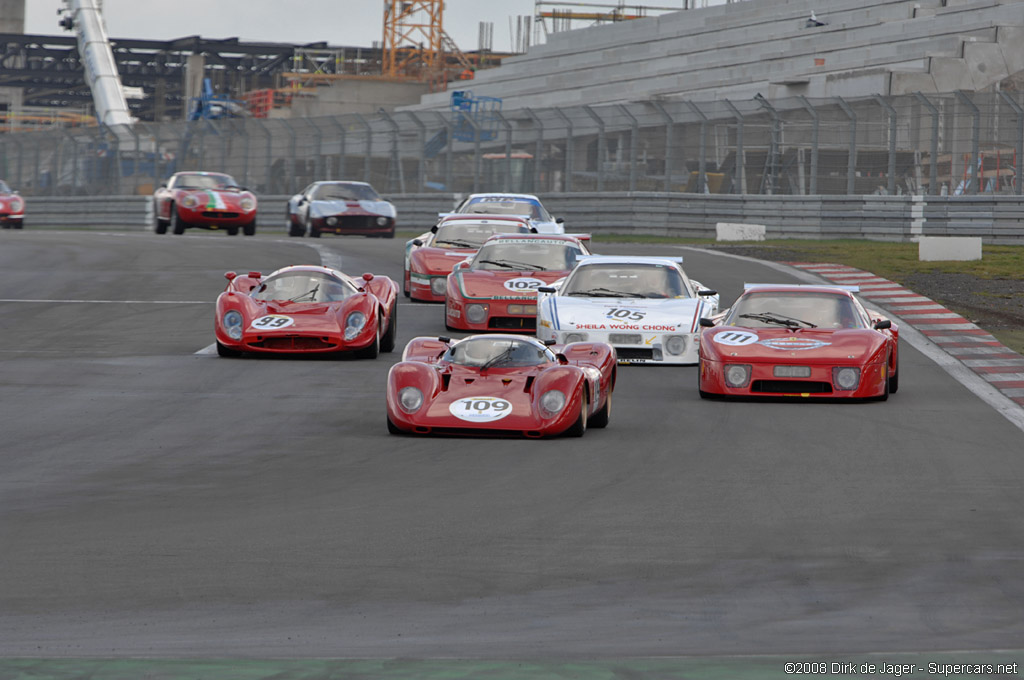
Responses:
[295,229]
[227,351]
[311,231]
[580,426]
[387,343]
[249,229]
[392,428]
[373,350]
[177,224]
[602,417]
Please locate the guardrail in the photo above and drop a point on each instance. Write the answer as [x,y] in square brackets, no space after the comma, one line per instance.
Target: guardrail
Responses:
[996,219]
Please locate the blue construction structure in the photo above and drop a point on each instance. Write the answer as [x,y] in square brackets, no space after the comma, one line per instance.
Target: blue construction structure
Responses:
[211,106]
[482,111]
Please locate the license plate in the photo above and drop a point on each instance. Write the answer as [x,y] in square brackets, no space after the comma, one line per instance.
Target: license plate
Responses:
[792,371]
[625,338]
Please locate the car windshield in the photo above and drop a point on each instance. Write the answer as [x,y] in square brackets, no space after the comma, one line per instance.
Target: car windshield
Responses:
[473,234]
[498,205]
[626,280]
[345,191]
[4,189]
[794,310]
[527,254]
[304,287]
[485,352]
[203,181]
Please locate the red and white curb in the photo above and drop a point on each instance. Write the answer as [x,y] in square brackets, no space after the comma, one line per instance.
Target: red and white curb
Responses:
[975,348]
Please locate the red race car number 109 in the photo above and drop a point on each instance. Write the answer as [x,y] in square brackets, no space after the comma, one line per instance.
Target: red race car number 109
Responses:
[480,409]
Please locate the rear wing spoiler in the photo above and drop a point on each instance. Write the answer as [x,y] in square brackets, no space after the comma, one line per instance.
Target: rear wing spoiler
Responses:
[799,286]
[639,258]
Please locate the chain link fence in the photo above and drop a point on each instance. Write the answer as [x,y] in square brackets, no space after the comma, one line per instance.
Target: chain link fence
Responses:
[948,144]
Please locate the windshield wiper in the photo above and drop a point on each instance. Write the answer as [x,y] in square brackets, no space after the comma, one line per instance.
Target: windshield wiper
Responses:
[458,243]
[516,264]
[604,292]
[310,293]
[507,353]
[780,319]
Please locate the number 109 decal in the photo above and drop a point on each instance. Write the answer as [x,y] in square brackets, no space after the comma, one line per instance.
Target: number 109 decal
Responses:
[480,409]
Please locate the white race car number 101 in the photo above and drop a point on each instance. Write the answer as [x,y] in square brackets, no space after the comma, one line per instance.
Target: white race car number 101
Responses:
[272,322]
[480,409]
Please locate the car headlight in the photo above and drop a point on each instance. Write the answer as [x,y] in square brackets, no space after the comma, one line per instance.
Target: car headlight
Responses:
[737,375]
[232,323]
[675,344]
[846,378]
[475,313]
[438,285]
[354,325]
[247,204]
[552,401]
[574,337]
[189,201]
[332,221]
[16,205]
[382,221]
[410,399]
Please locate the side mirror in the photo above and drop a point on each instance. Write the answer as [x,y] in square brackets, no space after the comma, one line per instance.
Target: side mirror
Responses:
[706,322]
[707,293]
[562,359]
[367,277]
[433,229]
[546,289]
[163,185]
[445,339]
[559,220]
[230,276]
[549,342]
[882,324]
[255,275]
[417,242]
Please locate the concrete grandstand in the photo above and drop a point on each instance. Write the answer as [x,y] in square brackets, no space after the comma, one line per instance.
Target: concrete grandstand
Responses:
[855,48]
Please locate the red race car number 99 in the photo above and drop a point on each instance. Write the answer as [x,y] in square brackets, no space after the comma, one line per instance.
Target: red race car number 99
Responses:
[480,409]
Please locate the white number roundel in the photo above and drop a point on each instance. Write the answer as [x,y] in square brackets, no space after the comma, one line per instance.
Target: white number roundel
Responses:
[480,409]
[524,284]
[272,322]
[735,338]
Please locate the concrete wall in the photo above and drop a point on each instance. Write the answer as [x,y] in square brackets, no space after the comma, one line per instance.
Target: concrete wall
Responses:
[995,219]
[12,16]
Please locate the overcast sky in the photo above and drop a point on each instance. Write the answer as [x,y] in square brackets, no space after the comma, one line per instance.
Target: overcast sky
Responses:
[354,23]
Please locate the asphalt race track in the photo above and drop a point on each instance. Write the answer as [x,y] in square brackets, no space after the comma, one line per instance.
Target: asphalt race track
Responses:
[157,501]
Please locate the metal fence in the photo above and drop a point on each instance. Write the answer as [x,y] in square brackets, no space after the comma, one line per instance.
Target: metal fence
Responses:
[949,144]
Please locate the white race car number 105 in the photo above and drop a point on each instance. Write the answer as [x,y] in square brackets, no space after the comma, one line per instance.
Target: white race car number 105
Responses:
[480,409]
[272,322]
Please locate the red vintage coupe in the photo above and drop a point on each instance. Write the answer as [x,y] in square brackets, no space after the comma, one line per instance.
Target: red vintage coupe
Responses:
[799,341]
[207,200]
[497,289]
[500,385]
[12,208]
[306,309]
[430,258]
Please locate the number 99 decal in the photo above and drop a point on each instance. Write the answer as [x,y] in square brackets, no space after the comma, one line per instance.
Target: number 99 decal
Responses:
[480,409]
[272,322]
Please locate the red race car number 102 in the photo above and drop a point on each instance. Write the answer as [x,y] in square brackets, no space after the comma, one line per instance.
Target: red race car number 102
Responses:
[480,409]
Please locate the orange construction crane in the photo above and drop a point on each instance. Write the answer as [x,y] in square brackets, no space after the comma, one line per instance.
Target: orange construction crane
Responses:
[413,31]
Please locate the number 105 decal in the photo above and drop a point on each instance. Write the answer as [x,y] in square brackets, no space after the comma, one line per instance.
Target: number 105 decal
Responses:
[623,314]
[480,409]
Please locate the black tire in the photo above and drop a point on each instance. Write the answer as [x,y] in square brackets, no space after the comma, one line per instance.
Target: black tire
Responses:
[178,225]
[387,343]
[884,396]
[601,418]
[373,350]
[390,234]
[6,225]
[392,428]
[19,224]
[227,351]
[311,231]
[580,426]
[894,379]
[249,229]
[295,229]
[232,231]
[405,285]
[159,226]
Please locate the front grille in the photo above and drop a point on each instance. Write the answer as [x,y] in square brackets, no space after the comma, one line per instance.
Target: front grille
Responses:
[216,214]
[791,387]
[295,343]
[513,322]
[635,352]
[468,432]
[625,338]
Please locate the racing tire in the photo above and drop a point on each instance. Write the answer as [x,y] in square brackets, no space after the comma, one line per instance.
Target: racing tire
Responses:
[371,351]
[894,379]
[19,224]
[405,285]
[390,234]
[178,225]
[160,226]
[387,343]
[5,225]
[227,351]
[249,229]
[232,231]
[884,396]
[294,229]
[601,418]
[311,231]
[392,428]
[578,428]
